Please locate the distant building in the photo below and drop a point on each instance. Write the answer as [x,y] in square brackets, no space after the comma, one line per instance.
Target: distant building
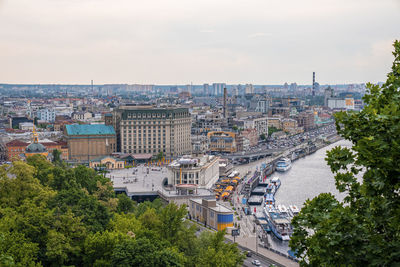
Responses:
[341,103]
[290,126]
[201,171]
[252,135]
[275,122]
[82,116]
[221,141]
[306,120]
[35,148]
[108,162]
[15,121]
[211,213]
[150,129]
[263,106]
[15,149]
[26,126]
[218,89]
[48,115]
[206,89]
[90,141]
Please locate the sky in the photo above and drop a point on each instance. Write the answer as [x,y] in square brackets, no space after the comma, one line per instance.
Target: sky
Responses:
[198,41]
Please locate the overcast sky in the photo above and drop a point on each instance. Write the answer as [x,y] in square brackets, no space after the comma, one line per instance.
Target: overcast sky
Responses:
[202,41]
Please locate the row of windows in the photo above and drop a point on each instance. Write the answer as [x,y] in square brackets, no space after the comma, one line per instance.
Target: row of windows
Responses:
[155,115]
[138,151]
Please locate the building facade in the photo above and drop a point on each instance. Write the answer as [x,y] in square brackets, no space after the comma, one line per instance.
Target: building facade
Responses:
[108,162]
[212,214]
[149,129]
[48,115]
[221,141]
[201,171]
[90,141]
[15,149]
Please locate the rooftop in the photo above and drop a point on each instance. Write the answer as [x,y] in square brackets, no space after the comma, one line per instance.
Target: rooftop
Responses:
[89,129]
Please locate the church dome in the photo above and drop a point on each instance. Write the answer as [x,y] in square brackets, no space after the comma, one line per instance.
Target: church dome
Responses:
[35,148]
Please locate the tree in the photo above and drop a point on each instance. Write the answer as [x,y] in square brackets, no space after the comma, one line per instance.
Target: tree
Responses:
[364,229]
[125,204]
[263,137]
[56,156]
[215,252]
[160,156]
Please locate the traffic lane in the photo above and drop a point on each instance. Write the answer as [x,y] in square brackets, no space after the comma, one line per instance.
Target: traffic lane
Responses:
[263,262]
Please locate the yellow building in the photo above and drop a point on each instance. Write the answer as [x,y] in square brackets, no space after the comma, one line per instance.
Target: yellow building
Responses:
[221,141]
[35,148]
[108,162]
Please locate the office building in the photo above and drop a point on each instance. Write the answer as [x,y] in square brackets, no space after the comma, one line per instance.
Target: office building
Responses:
[150,129]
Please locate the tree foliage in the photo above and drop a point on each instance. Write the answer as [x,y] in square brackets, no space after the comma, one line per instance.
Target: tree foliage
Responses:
[52,215]
[364,229]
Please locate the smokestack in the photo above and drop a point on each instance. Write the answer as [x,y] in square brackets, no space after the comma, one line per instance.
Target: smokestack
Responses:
[225,109]
[313,83]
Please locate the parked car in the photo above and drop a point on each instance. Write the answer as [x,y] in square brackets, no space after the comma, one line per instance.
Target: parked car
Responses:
[256,262]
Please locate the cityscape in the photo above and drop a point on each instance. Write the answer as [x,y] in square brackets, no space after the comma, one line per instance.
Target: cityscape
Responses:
[147,170]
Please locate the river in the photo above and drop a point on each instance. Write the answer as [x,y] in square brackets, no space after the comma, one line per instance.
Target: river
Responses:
[307,178]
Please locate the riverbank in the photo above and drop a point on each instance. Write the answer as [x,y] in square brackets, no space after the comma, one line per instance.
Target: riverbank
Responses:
[253,166]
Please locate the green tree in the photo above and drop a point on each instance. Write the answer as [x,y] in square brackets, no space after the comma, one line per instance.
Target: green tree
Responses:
[215,252]
[364,229]
[171,218]
[263,137]
[272,129]
[160,156]
[16,250]
[56,156]
[125,204]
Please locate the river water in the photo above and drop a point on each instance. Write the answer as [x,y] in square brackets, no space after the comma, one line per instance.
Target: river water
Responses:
[308,177]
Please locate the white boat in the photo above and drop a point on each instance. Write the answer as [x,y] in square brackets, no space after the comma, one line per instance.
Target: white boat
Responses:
[294,210]
[283,211]
[283,164]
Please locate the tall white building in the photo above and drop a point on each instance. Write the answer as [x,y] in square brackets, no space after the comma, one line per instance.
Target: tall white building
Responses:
[218,89]
[48,115]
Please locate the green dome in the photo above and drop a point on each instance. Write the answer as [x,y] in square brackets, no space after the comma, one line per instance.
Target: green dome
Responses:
[35,148]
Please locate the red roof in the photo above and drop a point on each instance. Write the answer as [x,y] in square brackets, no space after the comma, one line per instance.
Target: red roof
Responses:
[14,143]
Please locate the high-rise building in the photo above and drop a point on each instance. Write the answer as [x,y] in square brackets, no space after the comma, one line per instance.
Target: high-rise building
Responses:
[206,89]
[218,89]
[249,89]
[151,130]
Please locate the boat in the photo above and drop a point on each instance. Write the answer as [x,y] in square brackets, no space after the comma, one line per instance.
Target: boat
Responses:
[278,224]
[269,200]
[276,182]
[283,211]
[294,210]
[283,164]
[271,189]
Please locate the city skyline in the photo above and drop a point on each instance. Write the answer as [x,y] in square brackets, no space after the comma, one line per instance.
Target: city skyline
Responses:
[170,42]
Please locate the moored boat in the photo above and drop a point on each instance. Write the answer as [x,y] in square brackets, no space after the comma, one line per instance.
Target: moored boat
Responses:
[283,164]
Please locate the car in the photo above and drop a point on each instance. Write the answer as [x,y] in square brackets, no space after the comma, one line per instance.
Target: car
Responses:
[256,262]
[248,253]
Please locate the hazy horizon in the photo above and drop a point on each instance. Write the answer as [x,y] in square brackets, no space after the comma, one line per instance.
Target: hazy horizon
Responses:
[178,42]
